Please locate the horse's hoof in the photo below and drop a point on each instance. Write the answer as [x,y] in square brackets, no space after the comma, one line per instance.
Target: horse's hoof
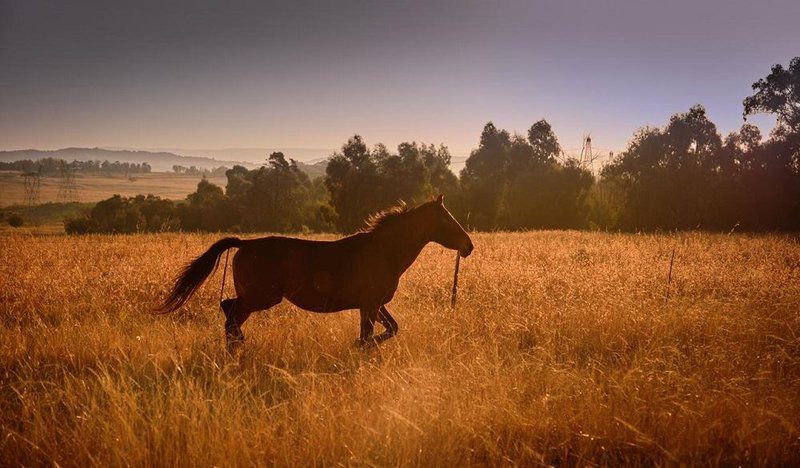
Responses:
[234,345]
[364,344]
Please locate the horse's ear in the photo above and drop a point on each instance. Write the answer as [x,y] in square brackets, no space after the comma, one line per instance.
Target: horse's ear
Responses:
[440,199]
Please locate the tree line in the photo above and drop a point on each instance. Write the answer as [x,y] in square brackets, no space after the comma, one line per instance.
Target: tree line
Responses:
[199,171]
[50,166]
[683,175]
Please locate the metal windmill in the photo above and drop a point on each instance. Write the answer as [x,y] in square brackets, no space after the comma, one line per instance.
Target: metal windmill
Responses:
[587,157]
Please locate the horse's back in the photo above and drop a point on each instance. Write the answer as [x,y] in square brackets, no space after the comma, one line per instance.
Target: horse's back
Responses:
[282,248]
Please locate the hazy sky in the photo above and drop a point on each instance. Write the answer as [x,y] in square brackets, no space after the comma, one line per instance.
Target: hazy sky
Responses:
[203,74]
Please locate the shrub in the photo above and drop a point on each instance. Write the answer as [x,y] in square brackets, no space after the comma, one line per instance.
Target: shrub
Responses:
[125,215]
[80,226]
[15,220]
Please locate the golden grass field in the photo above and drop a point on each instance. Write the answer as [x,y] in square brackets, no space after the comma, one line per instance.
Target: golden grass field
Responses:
[563,349]
[92,188]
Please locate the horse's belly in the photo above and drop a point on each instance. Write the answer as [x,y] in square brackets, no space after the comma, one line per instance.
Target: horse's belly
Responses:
[321,291]
[315,302]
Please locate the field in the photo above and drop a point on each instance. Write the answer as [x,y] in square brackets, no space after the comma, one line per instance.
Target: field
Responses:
[564,348]
[93,188]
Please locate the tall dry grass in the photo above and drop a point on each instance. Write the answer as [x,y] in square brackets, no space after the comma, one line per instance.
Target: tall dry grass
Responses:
[562,350]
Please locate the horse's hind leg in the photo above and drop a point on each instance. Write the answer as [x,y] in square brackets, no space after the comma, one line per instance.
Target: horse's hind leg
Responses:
[227,306]
[233,322]
[237,312]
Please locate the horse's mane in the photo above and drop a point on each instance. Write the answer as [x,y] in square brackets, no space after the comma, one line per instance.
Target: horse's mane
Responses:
[386,217]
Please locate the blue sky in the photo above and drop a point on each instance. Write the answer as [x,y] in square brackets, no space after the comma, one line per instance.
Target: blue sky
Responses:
[309,74]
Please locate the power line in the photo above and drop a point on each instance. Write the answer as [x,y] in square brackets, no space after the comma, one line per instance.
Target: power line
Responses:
[67,189]
[31,181]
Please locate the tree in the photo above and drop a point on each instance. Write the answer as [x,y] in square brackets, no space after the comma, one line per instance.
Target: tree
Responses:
[277,197]
[543,142]
[483,178]
[239,183]
[362,181]
[351,179]
[665,174]
[773,178]
[511,182]
[207,209]
[778,94]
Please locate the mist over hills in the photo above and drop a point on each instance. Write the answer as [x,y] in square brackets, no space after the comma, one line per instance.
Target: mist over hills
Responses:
[160,161]
[251,155]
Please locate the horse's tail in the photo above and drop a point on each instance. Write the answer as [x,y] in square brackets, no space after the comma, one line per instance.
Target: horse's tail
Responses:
[195,273]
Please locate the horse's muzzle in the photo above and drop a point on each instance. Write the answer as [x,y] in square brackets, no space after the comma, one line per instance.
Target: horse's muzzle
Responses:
[466,250]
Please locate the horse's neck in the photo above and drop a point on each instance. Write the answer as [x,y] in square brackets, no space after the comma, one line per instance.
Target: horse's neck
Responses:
[405,240]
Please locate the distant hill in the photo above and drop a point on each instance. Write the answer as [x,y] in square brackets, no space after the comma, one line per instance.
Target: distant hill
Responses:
[313,170]
[161,161]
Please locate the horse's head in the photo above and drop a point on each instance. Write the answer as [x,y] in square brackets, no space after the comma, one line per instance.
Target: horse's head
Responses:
[446,230]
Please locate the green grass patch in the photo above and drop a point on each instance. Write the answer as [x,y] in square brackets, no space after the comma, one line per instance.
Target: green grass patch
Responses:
[46,213]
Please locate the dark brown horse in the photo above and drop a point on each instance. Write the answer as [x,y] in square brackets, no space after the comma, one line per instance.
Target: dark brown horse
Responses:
[356,272]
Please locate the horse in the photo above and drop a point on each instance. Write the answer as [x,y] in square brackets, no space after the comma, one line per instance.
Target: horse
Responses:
[361,271]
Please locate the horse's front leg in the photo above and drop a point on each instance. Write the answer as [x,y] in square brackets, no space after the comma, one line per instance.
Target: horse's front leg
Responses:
[368,316]
[388,322]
